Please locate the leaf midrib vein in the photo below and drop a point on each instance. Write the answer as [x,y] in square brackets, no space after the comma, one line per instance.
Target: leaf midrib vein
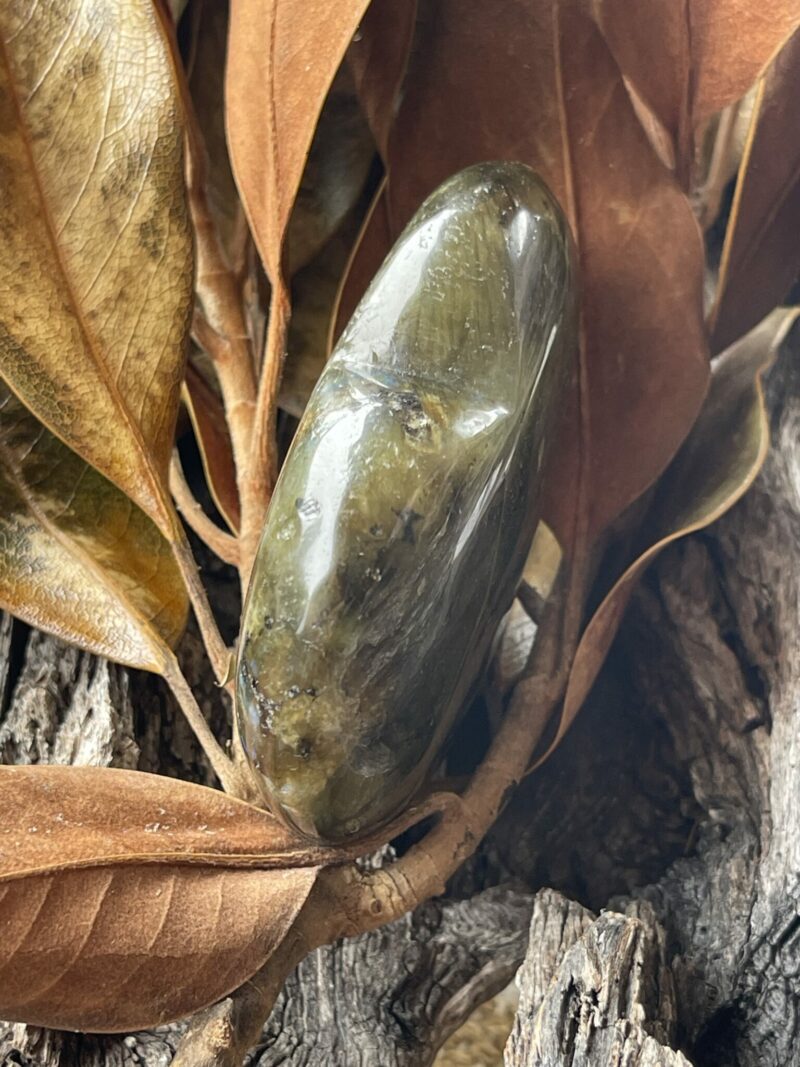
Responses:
[90,342]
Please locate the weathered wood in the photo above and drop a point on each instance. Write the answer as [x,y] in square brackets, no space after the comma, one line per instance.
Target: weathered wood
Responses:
[434,967]
[676,793]
[593,991]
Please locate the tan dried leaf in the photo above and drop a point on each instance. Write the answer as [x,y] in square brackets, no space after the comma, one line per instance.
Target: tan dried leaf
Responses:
[96,252]
[282,58]
[129,900]
[77,557]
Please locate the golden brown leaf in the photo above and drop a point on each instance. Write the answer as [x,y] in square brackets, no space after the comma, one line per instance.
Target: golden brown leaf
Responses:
[688,60]
[53,818]
[761,256]
[214,441]
[95,256]
[282,59]
[644,363]
[716,465]
[77,557]
[126,897]
[128,948]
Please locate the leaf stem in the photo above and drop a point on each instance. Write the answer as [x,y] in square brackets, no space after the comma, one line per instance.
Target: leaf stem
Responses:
[220,542]
[220,328]
[230,777]
[263,461]
[218,652]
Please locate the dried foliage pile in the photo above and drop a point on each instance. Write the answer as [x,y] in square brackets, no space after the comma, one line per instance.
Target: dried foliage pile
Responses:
[189,216]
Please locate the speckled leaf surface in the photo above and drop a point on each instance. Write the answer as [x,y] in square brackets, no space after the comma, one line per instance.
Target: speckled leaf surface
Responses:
[79,558]
[95,247]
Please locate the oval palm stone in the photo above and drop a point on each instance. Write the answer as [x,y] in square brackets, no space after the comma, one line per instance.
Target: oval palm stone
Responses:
[403,514]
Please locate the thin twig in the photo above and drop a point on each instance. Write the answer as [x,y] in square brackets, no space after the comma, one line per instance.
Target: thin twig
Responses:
[221,329]
[230,777]
[263,460]
[220,542]
[218,652]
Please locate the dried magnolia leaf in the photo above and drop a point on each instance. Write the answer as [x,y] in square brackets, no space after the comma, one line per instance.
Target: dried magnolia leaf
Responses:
[282,58]
[96,256]
[129,948]
[378,58]
[761,255]
[731,42]
[214,441]
[334,175]
[644,362]
[716,465]
[77,557]
[54,818]
[688,61]
[126,898]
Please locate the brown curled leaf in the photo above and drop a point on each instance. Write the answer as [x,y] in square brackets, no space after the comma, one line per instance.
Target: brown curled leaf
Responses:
[644,366]
[77,557]
[761,255]
[96,251]
[716,465]
[689,60]
[55,818]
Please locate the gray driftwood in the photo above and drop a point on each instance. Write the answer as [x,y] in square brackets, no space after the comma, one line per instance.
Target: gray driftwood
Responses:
[667,828]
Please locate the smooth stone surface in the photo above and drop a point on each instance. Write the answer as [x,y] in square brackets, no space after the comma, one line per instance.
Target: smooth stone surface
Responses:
[402,517]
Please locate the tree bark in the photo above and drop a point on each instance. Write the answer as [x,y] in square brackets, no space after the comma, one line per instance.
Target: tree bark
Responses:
[594,991]
[674,803]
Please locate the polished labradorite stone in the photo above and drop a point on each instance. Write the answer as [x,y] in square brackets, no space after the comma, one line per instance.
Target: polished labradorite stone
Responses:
[404,512]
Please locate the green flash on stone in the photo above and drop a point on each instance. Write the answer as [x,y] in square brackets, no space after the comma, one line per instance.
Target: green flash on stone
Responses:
[402,517]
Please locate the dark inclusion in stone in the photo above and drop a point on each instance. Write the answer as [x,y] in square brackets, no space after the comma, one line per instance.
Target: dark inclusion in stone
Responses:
[404,512]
